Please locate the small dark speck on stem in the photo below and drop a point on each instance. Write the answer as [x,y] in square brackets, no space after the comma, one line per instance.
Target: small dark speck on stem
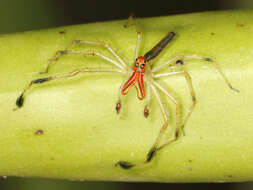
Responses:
[240,25]
[39,132]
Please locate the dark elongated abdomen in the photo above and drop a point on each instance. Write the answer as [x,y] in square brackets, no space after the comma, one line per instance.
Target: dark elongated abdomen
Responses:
[159,46]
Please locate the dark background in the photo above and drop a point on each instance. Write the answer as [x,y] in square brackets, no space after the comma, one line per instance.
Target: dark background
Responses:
[23,15]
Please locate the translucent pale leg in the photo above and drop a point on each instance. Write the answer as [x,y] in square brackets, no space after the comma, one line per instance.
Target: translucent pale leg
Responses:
[173,99]
[120,65]
[192,92]
[146,109]
[118,104]
[20,99]
[101,44]
[179,60]
[155,147]
[132,20]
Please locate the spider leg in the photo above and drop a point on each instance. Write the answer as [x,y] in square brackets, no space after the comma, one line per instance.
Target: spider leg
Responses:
[118,104]
[175,101]
[192,92]
[194,99]
[155,147]
[137,48]
[146,109]
[67,51]
[168,63]
[179,60]
[20,99]
[132,20]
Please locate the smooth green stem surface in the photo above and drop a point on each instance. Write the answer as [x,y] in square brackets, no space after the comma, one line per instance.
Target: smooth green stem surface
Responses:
[69,129]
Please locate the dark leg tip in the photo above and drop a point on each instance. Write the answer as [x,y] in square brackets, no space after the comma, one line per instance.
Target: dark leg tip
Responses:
[179,62]
[118,107]
[177,134]
[234,89]
[208,59]
[41,80]
[124,165]
[151,154]
[146,111]
[20,101]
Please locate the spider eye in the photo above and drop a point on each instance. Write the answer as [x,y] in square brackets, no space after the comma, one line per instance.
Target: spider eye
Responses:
[136,59]
[137,64]
[142,66]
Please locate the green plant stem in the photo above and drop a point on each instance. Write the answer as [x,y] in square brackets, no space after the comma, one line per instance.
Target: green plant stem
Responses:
[81,135]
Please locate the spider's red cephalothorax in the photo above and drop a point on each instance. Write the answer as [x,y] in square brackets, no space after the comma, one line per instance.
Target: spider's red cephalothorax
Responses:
[137,76]
[140,64]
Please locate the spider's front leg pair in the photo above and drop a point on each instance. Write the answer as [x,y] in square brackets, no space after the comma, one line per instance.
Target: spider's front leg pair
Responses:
[119,64]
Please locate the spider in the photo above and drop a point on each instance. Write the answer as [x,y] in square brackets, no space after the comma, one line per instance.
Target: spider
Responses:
[142,76]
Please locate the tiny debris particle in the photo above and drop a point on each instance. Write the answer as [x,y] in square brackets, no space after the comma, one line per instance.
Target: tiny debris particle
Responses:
[240,25]
[212,33]
[39,132]
[62,32]
[190,161]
